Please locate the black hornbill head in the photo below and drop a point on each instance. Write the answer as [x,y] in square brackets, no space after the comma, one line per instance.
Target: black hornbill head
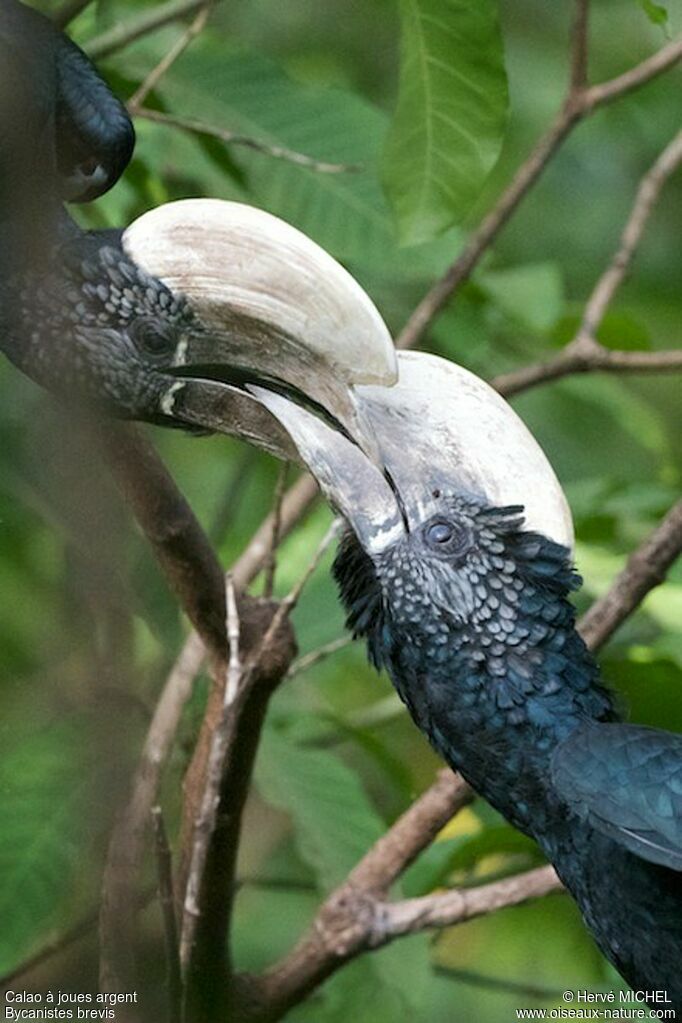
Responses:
[174,319]
[455,482]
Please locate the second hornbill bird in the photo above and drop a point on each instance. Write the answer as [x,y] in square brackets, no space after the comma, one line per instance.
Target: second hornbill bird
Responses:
[215,291]
[456,566]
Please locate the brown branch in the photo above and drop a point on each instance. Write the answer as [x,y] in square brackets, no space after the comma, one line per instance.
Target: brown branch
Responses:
[196,577]
[586,357]
[647,194]
[205,822]
[271,559]
[164,866]
[646,568]
[410,916]
[122,34]
[296,503]
[231,138]
[179,542]
[232,741]
[585,353]
[320,654]
[166,62]
[615,88]
[579,47]
[578,105]
[126,845]
[501,984]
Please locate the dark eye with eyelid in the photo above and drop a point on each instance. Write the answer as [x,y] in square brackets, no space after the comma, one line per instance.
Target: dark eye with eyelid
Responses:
[446,538]
[152,338]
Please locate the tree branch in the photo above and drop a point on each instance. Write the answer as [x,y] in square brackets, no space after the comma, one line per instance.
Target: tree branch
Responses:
[585,353]
[164,868]
[271,558]
[237,732]
[231,138]
[411,916]
[586,358]
[615,88]
[205,821]
[646,568]
[647,193]
[121,35]
[579,47]
[197,579]
[179,542]
[579,104]
[166,62]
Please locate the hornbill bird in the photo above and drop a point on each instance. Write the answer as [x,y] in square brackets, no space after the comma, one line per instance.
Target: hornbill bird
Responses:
[456,565]
[456,569]
[213,291]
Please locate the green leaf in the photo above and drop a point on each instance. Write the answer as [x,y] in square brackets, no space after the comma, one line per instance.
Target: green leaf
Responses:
[43,794]
[334,821]
[248,94]
[622,330]
[448,126]
[532,294]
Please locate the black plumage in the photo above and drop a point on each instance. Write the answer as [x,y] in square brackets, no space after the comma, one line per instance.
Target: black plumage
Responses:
[470,616]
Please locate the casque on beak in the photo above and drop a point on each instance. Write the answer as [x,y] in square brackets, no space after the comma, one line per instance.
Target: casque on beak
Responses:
[293,356]
[440,430]
[275,310]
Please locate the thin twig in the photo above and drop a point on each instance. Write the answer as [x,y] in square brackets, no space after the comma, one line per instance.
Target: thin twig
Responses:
[579,47]
[584,353]
[586,358]
[232,138]
[499,984]
[164,867]
[647,193]
[271,559]
[124,33]
[646,568]
[292,598]
[411,916]
[615,88]
[234,667]
[84,928]
[204,825]
[578,105]
[313,658]
[232,496]
[68,11]
[296,503]
[166,62]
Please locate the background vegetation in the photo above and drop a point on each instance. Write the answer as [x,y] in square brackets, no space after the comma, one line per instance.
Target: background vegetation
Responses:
[88,630]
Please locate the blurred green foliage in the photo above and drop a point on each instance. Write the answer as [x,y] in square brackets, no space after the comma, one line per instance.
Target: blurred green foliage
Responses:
[87,628]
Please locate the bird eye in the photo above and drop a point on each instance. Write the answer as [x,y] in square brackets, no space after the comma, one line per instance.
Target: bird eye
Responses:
[152,338]
[440,533]
[446,537]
